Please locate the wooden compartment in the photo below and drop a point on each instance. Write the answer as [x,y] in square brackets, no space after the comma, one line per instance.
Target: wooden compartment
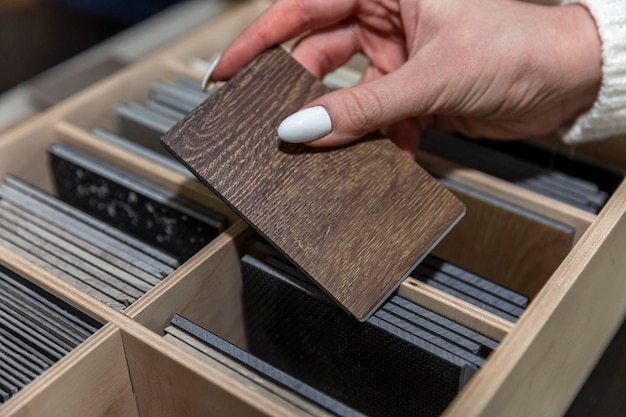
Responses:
[577,285]
[121,371]
[542,363]
[213,275]
[554,305]
[206,290]
[25,156]
[92,381]
[169,381]
[506,243]
[208,293]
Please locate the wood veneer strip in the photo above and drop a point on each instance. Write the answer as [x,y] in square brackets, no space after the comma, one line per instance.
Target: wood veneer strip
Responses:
[455,309]
[356,219]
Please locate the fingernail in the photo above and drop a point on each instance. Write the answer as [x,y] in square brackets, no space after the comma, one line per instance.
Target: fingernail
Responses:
[306,125]
[209,71]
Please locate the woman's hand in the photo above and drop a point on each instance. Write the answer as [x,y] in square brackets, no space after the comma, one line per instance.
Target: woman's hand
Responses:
[485,68]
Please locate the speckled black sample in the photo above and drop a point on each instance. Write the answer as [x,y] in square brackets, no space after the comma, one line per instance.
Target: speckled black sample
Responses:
[133,205]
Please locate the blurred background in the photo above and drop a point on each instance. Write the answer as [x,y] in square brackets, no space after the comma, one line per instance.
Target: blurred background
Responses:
[37,34]
[51,49]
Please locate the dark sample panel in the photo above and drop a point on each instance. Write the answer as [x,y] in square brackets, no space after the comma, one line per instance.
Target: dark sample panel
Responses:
[356,218]
[386,366]
[133,205]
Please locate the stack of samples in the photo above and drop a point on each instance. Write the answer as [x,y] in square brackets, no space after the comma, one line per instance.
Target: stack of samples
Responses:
[573,181]
[138,127]
[109,234]
[470,287]
[403,360]
[36,330]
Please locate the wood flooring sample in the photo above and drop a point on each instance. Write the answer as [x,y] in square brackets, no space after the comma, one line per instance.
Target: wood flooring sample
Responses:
[355,219]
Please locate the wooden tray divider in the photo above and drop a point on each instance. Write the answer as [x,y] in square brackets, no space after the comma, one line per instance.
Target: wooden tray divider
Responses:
[563,331]
[206,289]
[186,384]
[57,286]
[579,219]
[455,309]
[92,380]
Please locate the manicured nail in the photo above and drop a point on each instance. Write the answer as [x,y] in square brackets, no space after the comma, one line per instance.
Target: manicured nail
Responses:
[306,125]
[209,71]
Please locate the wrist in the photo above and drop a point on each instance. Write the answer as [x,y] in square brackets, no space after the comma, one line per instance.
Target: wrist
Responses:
[580,53]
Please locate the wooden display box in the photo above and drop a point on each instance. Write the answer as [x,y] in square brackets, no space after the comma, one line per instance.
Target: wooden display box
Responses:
[128,369]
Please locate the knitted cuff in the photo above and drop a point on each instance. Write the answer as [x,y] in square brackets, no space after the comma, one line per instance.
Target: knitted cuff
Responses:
[607,117]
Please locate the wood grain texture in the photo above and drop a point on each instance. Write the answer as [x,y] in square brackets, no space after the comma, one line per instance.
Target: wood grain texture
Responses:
[355,219]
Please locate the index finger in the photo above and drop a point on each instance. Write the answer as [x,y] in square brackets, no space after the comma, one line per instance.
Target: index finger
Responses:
[283,21]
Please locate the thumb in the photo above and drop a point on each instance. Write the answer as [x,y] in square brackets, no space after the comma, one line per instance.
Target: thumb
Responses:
[345,115]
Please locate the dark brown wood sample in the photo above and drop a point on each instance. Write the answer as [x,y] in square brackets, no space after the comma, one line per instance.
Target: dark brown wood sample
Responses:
[356,219]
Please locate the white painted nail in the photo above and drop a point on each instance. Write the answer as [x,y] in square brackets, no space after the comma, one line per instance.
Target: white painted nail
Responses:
[209,71]
[306,125]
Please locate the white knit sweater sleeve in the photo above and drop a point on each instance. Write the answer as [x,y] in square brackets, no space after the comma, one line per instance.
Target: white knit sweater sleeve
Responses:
[607,117]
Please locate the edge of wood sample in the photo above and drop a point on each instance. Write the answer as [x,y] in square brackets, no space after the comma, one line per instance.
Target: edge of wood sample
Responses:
[355,219]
